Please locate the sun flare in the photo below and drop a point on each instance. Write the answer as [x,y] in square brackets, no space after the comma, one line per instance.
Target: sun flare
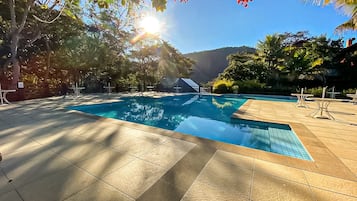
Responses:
[150,25]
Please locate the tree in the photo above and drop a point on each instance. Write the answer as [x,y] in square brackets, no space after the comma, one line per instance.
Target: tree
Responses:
[271,52]
[242,67]
[84,53]
[172,63]
[36,9]
[145,60]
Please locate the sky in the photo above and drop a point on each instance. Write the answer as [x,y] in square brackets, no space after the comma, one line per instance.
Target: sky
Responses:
[211,24]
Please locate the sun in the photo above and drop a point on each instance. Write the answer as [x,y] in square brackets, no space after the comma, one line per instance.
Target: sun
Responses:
[150,25]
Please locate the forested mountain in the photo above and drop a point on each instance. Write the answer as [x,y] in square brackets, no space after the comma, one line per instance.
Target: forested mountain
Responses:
[212,62]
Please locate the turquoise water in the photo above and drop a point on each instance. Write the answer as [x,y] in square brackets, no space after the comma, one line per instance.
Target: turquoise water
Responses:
[203,116]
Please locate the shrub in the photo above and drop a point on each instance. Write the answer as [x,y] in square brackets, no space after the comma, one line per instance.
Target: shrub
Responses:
[235,89]
[315,91]
[348,91]
[250,86]
[222,86]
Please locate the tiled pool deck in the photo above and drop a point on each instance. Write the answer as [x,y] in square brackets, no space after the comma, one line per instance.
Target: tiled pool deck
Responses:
[50,153]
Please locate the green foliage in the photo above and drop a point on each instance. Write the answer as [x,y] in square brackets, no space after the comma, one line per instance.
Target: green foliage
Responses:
[349,91]
[222,86]
[235,89]
[315,91]
[244,66]
[172,63]
[291,59]
[271,50]
[126,82]
[250,86]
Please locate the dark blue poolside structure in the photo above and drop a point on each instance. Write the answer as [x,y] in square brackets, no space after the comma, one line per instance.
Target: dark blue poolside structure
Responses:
[181,85]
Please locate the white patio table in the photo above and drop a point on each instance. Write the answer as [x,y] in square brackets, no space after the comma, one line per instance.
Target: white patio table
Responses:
[322,111]
[301,99]
[3,93]
[76,89]
[109,88]
[353,96]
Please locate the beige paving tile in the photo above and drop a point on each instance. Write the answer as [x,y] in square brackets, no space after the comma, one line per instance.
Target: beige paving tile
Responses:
[110,135]
[178,144]
[284,172]
[24,167]
[351,164]
[10,196]
[57,186]
[53,137]
[135,178]
[162,191]
[188,168]
[177,180]
[5,186]
[332,183]
[325,167]
[75,150]
[165,156]
[235,159]
[17,145]
[267,187]
[322,195]
[105,162]
[137,147]
[149,135]
[99,191]
[229,178]
[203,191]
[345,153]
[336,143]
[9,134]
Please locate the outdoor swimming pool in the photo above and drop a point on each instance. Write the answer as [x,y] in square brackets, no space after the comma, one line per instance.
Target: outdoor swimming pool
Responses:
[203,116]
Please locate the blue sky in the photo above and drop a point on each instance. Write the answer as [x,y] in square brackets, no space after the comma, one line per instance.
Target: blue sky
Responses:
[210,24]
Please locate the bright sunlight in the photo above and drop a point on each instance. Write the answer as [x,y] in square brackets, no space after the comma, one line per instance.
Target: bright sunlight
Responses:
[150,25]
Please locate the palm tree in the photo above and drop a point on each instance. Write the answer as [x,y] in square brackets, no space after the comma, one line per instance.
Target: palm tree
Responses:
[271,50]
[350,8]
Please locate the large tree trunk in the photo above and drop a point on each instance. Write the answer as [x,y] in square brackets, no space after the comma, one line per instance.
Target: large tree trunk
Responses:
[15,36]
[46,89]
[14,60]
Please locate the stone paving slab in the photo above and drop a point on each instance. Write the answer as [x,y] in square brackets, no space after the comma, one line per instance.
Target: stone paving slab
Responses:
[322,195]
[165,156]
[31,164]
[11,196]
[99,191]
[58,186]
[5,185]
[135,178]
[105,162]
[233,180]
[332,183]
[268,187]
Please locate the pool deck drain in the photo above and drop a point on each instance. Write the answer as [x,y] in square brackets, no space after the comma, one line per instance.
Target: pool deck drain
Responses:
[54,154]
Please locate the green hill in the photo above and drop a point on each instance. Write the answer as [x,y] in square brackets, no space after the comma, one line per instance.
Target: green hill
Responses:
[212,62]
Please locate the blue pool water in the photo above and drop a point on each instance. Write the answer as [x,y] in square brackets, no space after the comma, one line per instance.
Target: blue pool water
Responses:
[203,116]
